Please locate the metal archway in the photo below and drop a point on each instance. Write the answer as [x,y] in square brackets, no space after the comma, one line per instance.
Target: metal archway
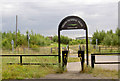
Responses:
[68,23]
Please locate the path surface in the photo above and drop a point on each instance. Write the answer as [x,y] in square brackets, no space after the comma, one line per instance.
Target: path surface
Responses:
[73,69]
[104,58]
[73,72]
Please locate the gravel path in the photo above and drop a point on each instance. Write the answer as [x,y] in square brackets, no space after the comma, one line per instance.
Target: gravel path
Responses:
[73,69]
[73,72]
[104,58]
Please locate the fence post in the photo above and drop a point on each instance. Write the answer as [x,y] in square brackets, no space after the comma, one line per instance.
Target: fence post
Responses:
[21,59]
[51,50]
[99,49]
[92,60]
[111,48]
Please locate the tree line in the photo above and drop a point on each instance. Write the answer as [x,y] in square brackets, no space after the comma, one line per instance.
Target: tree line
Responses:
[106,38]
[36,40]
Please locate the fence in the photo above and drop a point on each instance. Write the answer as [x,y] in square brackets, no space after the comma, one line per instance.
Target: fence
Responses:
[41,50]
[28,52]
[108,49]
[93,59]
[21,62]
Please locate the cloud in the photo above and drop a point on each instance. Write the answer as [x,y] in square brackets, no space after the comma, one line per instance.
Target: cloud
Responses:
[44,16]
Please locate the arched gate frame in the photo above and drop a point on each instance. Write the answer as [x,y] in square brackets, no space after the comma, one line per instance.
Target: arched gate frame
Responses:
[69,23]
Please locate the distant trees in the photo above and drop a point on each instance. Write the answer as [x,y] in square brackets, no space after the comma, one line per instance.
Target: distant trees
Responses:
[108,38]
[35,40]
[63,39]
[70,41]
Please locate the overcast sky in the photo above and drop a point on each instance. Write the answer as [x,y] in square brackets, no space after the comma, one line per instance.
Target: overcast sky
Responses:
[44,16]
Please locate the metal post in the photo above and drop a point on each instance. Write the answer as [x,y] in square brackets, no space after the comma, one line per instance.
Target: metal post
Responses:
[99,49]
[59,57]
[92,60]
[96,43]
[51,50]
[21,59]
[16,32]
[28,41]
[87,46]
[79,48]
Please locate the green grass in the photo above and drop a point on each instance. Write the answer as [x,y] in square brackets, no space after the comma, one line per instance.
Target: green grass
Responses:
[100,72]
[37,71]
[28,71]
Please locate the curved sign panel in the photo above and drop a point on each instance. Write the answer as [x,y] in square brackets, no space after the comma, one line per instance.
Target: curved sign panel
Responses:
[72,22]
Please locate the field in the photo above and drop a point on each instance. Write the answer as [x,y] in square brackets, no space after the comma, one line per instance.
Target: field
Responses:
[36,71]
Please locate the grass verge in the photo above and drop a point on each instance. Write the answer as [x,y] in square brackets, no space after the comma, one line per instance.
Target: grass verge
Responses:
[28,71]
[100,72]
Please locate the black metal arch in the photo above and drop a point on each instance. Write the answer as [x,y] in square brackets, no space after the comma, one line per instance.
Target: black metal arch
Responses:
[68,23]
[64,24]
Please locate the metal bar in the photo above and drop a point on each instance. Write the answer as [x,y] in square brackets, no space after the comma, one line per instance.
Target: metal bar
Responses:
[34,63]
[28,55]
[106,54]
[107,62]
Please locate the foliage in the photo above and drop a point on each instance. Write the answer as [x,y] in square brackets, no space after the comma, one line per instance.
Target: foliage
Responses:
[63,39]
[35,40]
[66,40]
[106,38]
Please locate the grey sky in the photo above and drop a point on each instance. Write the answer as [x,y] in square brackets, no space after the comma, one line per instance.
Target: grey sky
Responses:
[44,16]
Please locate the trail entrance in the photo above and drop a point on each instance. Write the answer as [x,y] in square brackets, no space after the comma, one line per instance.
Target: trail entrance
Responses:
[70,23]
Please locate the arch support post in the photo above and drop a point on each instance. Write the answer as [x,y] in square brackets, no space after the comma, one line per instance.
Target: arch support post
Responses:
[87,56]
[59,54]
